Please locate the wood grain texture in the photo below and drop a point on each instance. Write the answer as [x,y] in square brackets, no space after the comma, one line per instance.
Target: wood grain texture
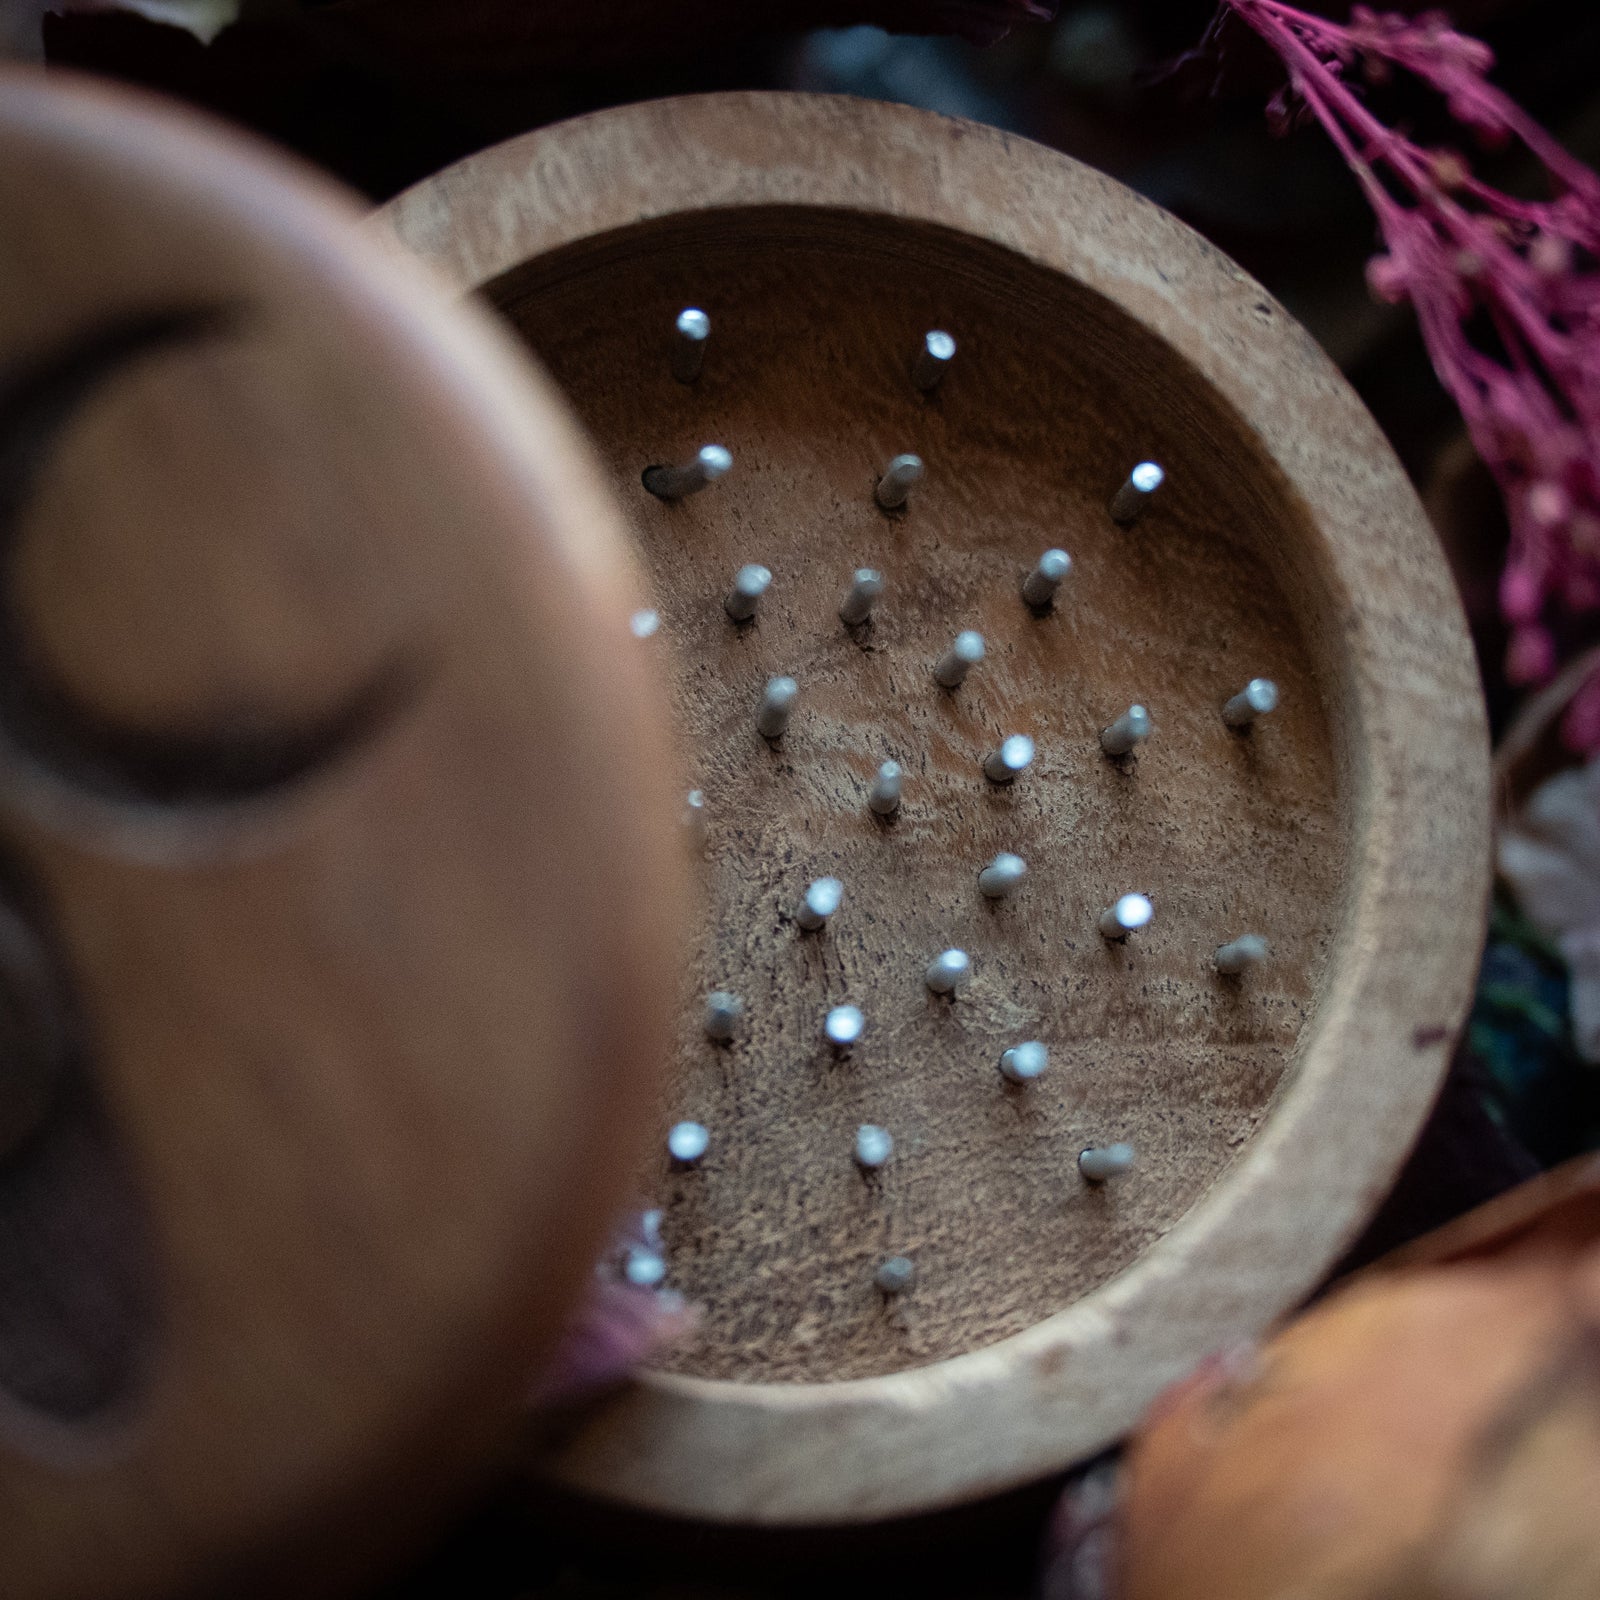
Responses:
[352,1042]
[776,1235]
[823,237]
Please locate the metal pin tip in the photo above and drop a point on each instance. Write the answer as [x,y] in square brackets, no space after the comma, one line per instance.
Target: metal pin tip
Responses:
[1131,913]
[933,359]
[951,669]
[1002,876]
[643,1268]
[724,1011]
[948,971]
[1108,1161]
[643,624]
[899,478]
[822,898]
[687,1142]
[842,1026]
[896,1275]
[874,1146]
[694,817]
[693,328]
[1238,955]
[1131,499]
[777,705]
[1039,587]
[1256,699]
[1022,1063]
[1131,728]
[711,462]
[750,582]
[884,799]
[1014,756]
[865,589]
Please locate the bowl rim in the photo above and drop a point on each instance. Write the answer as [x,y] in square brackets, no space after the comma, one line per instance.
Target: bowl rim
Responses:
[1400,978]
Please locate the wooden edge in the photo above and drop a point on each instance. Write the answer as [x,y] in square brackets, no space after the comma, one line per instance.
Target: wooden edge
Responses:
[1416,767]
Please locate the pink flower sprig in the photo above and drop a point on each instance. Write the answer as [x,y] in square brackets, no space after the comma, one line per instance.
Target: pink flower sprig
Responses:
[1506,291]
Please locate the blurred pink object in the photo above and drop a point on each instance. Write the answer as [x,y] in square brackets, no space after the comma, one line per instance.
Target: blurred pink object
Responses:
[618,1326]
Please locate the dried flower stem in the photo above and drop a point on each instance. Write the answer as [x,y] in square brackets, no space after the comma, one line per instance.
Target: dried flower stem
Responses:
[1506,292]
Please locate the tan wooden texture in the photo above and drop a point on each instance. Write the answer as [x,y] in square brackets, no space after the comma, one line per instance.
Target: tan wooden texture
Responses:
[360,1031]
[823,237]
[775,1235]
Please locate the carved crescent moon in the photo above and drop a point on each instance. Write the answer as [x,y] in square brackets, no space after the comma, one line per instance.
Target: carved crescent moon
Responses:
[72,767]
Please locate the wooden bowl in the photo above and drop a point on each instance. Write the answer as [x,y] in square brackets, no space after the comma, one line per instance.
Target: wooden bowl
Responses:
[331,988]
[824,237]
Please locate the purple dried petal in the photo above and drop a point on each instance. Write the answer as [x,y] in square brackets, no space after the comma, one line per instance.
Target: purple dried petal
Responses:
[1530,655]
[615,1330]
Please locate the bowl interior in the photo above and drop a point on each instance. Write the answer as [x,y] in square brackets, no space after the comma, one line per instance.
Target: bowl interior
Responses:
[1053,395]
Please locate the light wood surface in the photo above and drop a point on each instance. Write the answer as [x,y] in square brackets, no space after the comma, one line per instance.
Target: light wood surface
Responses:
[823,237]
[341,839]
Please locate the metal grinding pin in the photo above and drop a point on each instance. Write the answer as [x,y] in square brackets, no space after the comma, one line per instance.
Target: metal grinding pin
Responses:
[724,1011]
[1109,1161]
[777,705]
[948,971]
[1128,915]
[1239,955]
[687,1142]
[822,898]
[884,800]
[951,669]
[1003,876]
[865,588]
[1129,502]
[896,1275]
[1256,699]
[690,333]
[1022,1063]
[1131,728]
[1014,756]
[1039,587]
[749,584]
[898,479]
[873,1146]
[694,819]
[673,483]
[933,360]
[842,1026]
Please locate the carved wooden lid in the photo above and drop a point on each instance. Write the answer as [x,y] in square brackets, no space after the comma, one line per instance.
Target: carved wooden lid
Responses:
[337,866]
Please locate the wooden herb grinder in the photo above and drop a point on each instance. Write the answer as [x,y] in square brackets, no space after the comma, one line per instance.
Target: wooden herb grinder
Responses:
[924,1274]
[340,874]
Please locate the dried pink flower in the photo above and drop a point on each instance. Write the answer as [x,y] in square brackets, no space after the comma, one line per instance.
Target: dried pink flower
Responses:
[1506,291]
